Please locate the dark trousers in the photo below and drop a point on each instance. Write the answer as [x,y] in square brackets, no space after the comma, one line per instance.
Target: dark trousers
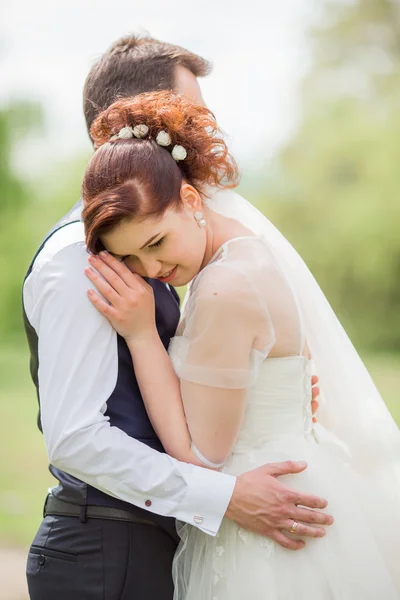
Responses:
[100,560]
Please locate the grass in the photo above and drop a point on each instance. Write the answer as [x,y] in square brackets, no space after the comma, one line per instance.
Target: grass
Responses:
[24,477]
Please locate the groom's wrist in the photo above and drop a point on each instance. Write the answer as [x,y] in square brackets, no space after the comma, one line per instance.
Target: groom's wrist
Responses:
[208,495]
[232,508]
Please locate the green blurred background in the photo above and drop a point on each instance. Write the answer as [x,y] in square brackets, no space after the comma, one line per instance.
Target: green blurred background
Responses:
[332,189]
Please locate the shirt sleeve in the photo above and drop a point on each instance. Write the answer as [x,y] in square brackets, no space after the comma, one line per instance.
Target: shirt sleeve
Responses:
[77,374]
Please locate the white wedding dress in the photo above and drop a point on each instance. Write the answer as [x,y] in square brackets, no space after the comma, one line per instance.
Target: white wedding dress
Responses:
[353,561]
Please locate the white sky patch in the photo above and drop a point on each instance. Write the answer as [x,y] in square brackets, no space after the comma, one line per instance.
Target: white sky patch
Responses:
[258,49]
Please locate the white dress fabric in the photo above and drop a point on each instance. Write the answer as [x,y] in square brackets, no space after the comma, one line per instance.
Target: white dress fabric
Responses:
[212,348]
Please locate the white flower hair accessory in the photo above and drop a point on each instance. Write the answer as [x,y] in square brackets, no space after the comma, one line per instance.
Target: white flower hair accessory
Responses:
[140,131]
[179,153]
[163,138]
[125,133]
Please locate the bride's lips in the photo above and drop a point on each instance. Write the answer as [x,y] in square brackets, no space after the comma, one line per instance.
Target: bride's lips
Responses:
[170,276]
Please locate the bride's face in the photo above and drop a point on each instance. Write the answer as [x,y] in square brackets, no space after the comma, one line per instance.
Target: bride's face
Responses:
[170,248]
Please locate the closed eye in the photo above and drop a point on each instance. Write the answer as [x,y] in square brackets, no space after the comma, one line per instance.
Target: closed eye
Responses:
[157,244]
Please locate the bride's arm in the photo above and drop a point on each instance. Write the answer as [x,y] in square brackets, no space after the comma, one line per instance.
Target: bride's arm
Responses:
[161,395]
[212,391]
[213,416]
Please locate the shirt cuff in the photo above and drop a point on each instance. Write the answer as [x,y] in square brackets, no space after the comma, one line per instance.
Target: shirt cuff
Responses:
[206,500]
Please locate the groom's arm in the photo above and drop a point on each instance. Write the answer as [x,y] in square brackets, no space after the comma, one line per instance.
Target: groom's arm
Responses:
[77,374]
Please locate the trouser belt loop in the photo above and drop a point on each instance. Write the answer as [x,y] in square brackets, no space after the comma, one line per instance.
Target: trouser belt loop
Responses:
[44,505]
[82,514]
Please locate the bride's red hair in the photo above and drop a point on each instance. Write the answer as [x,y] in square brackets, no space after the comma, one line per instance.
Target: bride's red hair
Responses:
[129,178]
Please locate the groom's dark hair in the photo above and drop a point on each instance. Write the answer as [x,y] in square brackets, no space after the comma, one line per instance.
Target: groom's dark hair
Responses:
[133,65]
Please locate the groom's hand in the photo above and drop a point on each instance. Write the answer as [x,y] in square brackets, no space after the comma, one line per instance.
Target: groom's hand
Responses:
[315,395]
[263,504]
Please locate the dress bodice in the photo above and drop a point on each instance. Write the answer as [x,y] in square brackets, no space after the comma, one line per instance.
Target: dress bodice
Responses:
[278,404]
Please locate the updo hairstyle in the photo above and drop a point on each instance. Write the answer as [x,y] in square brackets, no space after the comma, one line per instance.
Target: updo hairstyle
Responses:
[137,177]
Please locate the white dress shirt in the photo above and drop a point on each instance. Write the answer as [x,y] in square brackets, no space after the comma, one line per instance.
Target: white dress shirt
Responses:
[78,367]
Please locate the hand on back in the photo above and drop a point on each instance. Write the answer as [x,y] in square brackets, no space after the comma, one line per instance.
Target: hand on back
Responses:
[263,504]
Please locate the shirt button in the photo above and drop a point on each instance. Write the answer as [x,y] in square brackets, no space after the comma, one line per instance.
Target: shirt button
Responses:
[197,519]
[148,503]
[42,560]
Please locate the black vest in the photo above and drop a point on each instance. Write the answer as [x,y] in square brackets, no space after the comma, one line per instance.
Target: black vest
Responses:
[125,407]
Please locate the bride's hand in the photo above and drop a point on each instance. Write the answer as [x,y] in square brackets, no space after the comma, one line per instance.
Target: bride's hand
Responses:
[131,308]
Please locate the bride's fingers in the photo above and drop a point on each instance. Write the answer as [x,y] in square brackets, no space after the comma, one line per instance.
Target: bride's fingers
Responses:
[282,539]
[111,276]
[146,285]
[130,279]
[304,530]
[105,309]
[104,288]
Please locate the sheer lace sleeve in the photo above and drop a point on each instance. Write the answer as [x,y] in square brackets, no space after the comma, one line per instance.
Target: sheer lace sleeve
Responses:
[227,331]
[240,310]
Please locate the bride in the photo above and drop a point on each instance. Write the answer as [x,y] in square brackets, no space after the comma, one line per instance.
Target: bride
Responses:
[235,390]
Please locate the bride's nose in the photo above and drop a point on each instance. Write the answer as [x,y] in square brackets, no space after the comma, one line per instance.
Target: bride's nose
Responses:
[152,268]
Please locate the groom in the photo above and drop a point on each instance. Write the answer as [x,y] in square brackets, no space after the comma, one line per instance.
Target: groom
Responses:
[109,526]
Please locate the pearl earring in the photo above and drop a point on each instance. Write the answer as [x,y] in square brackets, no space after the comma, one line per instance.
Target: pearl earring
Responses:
[200,219]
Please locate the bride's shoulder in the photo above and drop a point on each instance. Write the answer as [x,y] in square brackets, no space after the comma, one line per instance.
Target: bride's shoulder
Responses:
[246,254]
[235,269]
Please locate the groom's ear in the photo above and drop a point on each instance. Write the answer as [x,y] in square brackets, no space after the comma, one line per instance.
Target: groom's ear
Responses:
[190,197]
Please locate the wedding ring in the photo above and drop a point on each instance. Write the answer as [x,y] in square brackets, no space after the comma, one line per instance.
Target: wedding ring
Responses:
[293,527]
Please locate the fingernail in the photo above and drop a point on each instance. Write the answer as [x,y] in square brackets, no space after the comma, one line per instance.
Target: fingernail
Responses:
[103,253]
[89,270]
[302,463]
[92,258]
[90,292]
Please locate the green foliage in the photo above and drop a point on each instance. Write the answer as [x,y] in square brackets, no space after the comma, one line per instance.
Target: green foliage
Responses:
[16,121]
[336,191]
[27,211]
